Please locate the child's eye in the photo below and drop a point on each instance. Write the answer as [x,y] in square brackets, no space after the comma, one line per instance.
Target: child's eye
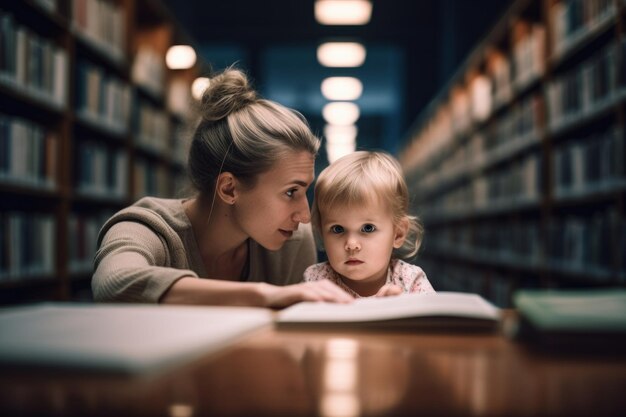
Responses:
[368,228]
[336,229]
[291,192]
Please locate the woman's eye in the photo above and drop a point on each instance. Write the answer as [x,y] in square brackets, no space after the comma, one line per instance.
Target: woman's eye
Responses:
[336,229]
[368,228]
[291,192]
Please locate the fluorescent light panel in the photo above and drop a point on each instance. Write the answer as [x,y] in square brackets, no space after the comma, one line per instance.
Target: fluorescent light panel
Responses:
[340,135]
[336,151]
[343,12]
[341,54]
[180,57]
[341,113]
[342,88]
[199,86]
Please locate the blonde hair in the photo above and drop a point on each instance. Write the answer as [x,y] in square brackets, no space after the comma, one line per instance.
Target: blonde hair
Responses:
[241,133]
[356,179]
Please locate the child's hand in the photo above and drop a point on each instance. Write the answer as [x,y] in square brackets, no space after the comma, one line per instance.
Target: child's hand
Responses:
[389,290]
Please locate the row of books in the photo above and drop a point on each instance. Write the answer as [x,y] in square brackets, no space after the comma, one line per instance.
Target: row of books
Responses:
[103,23]
[588,165]
[515,125]
[570,96]
[427,143]
[475,101]
[580,167]
[510,242]
[498,68]
[102,98]
[528,53]
[511,74]
[504,137]
[101,171]
[436,144]
[152,128]
[31,63]
[586,89]
[29,157]
[519,180]
[151,179]
[148,70]
[506,187]
[27,245]
[586,244]
[574,20]
[497,288]
[83,239]
[592,245]
[28,153]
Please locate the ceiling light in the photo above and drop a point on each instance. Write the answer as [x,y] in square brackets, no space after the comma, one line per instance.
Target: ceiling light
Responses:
[340,135]
[342,88]
[341,54]
[180,57]
[199,86]
[341,113]
[335,151]
[343,12]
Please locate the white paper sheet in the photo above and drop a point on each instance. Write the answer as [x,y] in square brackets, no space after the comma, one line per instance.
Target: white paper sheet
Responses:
[120,338]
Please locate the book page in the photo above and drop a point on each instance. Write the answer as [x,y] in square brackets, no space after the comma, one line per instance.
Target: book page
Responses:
[447,304]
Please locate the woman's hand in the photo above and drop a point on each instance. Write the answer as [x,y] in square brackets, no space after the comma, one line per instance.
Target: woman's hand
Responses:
[324,290]
[389,290]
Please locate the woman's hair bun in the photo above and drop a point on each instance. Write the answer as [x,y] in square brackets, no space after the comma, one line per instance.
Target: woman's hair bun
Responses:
[228,91]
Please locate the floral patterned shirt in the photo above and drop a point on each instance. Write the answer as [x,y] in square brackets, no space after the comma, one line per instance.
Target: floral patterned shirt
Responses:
[410,278]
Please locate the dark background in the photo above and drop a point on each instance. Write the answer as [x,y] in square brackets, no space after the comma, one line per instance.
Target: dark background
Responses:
[413,48]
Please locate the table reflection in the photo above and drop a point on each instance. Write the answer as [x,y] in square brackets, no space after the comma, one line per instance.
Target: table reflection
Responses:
[339,374]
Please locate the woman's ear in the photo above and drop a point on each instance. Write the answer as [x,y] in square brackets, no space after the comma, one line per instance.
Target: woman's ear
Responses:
[401,230]
[226,188]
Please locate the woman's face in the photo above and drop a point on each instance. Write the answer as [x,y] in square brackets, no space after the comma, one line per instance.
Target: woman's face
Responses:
[272,210]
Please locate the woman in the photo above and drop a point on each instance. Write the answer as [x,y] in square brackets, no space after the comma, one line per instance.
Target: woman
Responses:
[246,232]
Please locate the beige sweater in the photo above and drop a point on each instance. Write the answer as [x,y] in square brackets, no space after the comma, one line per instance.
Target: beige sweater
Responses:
[148,246]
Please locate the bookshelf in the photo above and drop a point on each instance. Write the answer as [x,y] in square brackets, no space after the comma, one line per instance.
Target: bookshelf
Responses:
[90,121]
[517,165]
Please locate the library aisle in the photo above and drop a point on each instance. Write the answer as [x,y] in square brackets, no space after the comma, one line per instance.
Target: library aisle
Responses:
[517,166]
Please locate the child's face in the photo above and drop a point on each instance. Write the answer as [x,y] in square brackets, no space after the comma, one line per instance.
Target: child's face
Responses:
[359,241]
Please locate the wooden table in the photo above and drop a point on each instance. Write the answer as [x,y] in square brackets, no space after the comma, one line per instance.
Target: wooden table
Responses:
[341,373]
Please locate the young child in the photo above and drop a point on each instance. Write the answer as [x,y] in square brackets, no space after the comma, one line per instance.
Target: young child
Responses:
[360,214]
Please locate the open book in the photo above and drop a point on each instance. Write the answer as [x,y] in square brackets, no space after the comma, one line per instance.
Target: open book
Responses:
[436,311]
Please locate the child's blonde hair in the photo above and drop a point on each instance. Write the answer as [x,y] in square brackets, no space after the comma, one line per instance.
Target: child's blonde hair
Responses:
[360,178]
